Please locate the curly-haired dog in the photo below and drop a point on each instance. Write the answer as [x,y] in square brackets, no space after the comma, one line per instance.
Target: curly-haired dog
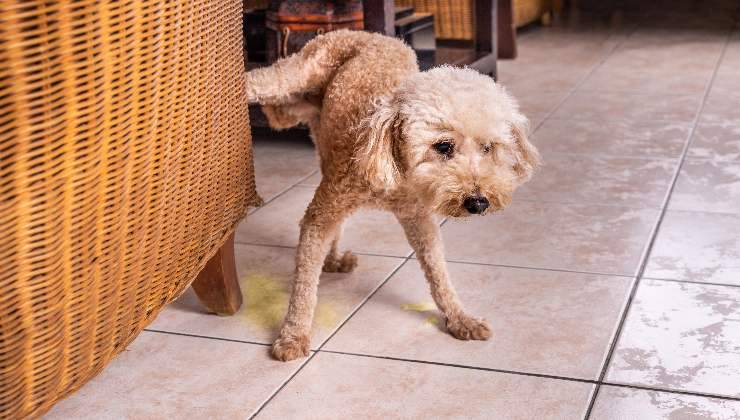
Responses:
[447,141]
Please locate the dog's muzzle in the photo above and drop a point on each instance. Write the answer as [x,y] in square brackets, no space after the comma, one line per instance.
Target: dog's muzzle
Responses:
[476,204]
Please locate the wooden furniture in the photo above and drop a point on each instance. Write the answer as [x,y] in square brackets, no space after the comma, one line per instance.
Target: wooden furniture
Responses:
[455,19]
[482,56]
[290,24]
[126,166]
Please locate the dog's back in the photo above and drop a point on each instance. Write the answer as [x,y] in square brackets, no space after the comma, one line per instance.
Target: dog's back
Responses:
[331,84]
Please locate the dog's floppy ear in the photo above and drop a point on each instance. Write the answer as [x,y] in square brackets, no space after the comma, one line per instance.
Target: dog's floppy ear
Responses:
[527,156]
[377,155]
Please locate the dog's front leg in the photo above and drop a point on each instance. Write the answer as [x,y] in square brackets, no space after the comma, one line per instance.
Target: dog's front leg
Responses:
[319,227]
[423,235]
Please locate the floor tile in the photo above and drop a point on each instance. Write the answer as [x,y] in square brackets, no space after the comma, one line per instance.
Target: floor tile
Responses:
[280,162]
[610,106]
[719,142]
[522,306]
[585,179]
[266,276]
[646,77]
[336,386]
[707,186]
[535,102]
[312,181]
[721,107]
[600,239]
[368,231]
[613,138]
[636,404]
[681,336]
[727,79]
[703,247]
[162,376]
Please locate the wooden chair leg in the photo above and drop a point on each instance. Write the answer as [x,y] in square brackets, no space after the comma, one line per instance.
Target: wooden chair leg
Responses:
[506,30]
[217,285]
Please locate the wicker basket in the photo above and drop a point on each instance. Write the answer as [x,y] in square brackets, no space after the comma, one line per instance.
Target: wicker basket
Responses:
[125,162]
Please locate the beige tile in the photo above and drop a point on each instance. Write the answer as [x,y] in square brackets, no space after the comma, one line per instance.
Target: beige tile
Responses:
[649,76]
[280,162]
[368,231]
[727,79]
[312,181]
[721,107]
[707,186]
[343,387]
[613,138]
[610,106]
[584,179]
[538,103]
[696,246]
[637,404]
[266,275]
[164,376]
[719,142]
[600,239]
[681,336]
[522,306]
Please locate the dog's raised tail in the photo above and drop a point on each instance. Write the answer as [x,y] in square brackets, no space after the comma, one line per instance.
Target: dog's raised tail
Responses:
[305,72]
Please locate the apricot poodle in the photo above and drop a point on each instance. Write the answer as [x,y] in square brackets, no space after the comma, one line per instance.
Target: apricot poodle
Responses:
[448,141]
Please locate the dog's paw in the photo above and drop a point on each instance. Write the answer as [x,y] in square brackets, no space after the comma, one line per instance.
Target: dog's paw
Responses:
[465,327]
[290,347]
[344,264]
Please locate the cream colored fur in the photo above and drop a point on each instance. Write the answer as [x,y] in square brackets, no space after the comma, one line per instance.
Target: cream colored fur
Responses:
[377,123]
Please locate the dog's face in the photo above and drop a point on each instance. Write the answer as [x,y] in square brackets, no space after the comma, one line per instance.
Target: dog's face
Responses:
[454,139]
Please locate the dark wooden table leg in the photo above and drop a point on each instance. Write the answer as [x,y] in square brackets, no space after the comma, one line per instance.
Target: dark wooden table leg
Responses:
[507,30]
[379,16]
[486,36]
[217,285]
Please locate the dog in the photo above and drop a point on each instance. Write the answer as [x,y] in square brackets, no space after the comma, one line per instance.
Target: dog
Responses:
[447,141]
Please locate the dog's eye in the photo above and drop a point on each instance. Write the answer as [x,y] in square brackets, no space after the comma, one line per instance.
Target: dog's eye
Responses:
[444,147]
[487,148]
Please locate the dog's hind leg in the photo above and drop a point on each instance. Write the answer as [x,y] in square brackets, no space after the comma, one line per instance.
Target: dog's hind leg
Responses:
[319,227]
[423,235]
[337,262]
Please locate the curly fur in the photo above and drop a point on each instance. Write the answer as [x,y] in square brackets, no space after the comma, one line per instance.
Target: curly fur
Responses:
[375,119]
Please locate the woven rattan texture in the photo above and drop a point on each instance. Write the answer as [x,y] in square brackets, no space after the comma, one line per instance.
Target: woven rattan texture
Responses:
[125,161]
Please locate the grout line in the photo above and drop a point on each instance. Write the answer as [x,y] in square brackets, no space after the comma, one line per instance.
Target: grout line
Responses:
[207,337]
[670,391]
[532,374]
[282,385]
[456,365]
[367,254]
[600,155]
[521,267]
[326,340]
[582,203]
[283,192]
[722,213]
[412,256]
[700,283]
[654,234]
[586,76]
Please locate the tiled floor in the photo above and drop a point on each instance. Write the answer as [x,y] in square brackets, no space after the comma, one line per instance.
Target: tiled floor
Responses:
[612,283]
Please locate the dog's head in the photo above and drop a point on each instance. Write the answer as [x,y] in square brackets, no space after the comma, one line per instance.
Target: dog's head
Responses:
[453,138]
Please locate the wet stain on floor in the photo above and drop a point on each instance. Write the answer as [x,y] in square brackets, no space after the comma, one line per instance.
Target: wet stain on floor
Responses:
[266,303]
[426,308]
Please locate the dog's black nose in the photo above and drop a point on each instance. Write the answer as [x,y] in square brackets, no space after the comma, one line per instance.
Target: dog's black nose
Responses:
[476,204]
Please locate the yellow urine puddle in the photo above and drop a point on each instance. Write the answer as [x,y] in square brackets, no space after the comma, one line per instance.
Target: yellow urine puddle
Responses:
[266,303]
[423,307]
